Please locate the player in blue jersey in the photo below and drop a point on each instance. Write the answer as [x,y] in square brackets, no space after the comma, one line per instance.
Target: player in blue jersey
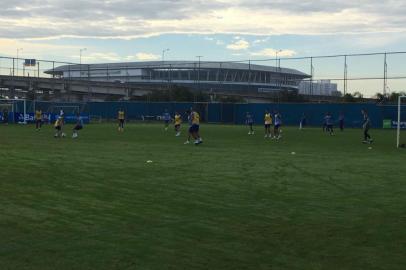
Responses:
[366,125]
[167,119]
[78,126]
[189,119]
[249,121]
[277,126]
[328,120]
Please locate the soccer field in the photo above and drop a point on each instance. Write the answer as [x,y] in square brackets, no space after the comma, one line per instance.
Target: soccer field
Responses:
[234,202]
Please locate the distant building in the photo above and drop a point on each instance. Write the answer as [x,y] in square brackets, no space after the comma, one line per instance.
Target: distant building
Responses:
[319,88]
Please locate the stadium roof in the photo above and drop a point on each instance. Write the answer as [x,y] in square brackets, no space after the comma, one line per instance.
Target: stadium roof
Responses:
[182,65]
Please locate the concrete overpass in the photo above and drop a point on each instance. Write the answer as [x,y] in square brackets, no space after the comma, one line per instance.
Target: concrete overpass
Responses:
[69,87]
[76,90]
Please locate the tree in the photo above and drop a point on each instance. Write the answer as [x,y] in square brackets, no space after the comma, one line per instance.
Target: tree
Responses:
[180,93]
[380,97]
[394,96]
[349,98]
[30,95]
[112,98]
[358,95]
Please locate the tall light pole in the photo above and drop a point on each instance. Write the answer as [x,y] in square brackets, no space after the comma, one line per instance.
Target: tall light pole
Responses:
[18,50]
[278,66]
[163,54]
[80,54]
[276,57]
[80,61]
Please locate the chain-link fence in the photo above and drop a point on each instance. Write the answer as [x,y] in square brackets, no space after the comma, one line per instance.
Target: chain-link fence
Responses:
[331,75]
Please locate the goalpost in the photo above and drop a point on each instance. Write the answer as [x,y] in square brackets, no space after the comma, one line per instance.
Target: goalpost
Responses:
[14,106]
[399,124]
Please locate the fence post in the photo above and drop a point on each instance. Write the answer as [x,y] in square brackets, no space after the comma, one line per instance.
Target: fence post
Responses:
[311,74]
[345,74]
[385,74]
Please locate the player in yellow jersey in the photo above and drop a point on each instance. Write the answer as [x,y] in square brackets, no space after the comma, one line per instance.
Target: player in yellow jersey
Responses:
[38,119]
[268,123]
[178,122]
[195,118]
[121,119]
[58,127]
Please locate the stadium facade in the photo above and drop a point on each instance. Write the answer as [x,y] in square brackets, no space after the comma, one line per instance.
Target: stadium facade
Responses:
[220,77]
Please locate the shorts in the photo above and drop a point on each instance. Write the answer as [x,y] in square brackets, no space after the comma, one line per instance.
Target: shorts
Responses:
[177,126]
[329,126]
[194,128]
[267,125]
[78,127]
[167,122]
[58,128]
[277,126]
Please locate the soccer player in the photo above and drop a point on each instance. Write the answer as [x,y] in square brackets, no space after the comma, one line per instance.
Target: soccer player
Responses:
[38,119]
[366,125]
[249,121]
[277,126]
[5,116]
[268,123]
[324,124]
[58,127]
[341,121]
[196,127]
[178,122]
[190,131]
[121,118]
[78,126]
[328,119]
[167,118]
[302,121]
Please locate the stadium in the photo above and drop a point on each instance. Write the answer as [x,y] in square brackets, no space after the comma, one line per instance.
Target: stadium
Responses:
[206,76]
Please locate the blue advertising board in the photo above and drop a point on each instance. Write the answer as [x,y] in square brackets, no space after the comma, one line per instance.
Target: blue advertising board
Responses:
[395,124]
[46,117]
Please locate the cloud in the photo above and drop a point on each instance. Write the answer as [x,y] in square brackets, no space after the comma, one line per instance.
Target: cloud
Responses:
[269,52]
[215,40]
[142,56]
[8,48]
[241,44]
[100,57]
[126,19]
[263,40]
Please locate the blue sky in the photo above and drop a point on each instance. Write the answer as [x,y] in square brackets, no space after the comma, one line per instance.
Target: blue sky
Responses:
[219,30]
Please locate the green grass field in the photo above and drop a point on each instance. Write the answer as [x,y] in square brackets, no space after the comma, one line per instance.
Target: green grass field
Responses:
[234,202]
